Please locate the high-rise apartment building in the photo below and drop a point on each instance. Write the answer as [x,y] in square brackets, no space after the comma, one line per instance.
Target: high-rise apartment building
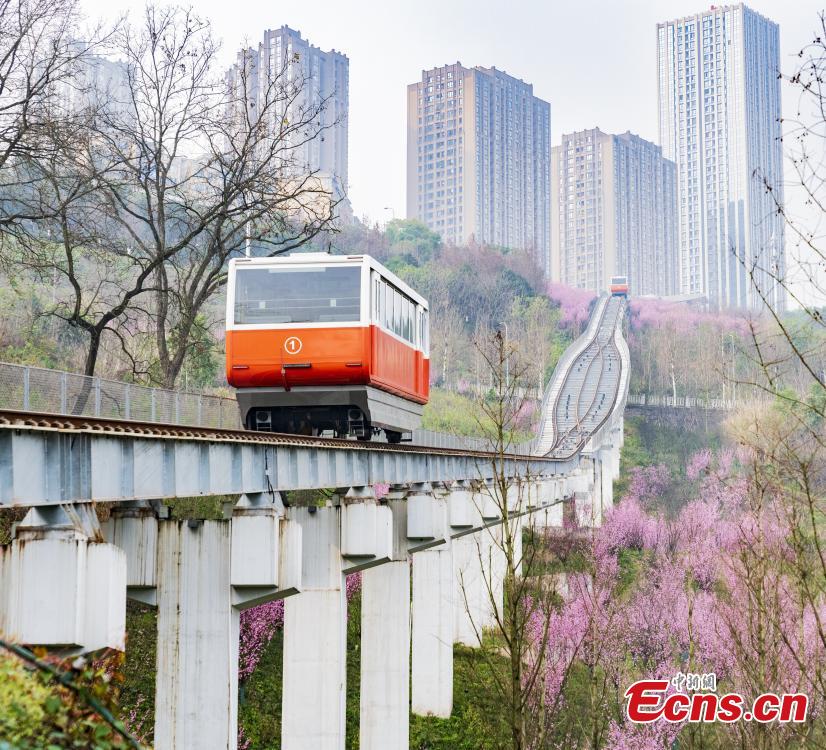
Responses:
[613,203]
[97,83]
[478,158]
[719,116]
[284,57]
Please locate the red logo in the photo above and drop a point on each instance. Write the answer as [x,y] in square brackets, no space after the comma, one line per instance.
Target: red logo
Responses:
[647,702]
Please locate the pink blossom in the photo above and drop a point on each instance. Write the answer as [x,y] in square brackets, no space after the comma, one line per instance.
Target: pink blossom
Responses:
[575,304]
[695,600]
[628,526]
[658,735]
[258,626]
[682,318]
[649,484]
[697,464]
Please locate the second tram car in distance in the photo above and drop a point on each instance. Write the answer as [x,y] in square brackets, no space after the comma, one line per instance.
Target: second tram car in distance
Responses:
[321,343]
[619,286]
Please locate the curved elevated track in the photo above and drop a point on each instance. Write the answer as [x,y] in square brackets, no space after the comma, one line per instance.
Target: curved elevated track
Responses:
[586,388]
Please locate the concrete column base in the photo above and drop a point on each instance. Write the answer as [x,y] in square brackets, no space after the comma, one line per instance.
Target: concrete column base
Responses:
[58,587]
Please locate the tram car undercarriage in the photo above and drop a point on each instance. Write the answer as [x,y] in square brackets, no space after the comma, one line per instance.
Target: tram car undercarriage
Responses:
[312,410]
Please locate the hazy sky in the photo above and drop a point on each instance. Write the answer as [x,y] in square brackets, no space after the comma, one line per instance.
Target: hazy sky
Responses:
[592,60]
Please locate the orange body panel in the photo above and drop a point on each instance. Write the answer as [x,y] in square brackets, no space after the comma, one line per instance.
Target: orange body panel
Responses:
[327,357]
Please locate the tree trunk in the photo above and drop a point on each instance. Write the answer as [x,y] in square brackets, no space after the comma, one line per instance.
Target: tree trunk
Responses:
[175,359]
[161,316]
[88,370]
[673,384]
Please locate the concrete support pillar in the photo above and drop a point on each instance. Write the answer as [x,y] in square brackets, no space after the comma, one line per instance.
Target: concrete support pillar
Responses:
[616,440]
[61,587]
[581,487]
[133,527]
[196,687]
[549,514]
[487,503]
[554,513]
[517,526]
[496,564]
[584,505]
[385,643]
[315,635]
[465,512]
[366,528]
[201,574]
[489,551]
[606,462]
[517,495]
[433,625]
[533,492]
[433,602]
[469,597]
[385,657]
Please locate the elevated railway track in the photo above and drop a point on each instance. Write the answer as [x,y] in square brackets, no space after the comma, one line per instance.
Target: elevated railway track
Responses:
[51,458]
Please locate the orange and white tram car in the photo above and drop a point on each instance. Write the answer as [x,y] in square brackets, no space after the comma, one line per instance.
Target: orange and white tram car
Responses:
[619,286]
[319,344]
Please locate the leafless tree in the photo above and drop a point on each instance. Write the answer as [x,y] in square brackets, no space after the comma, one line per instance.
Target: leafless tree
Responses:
[786,437]
[266,196]
[184,172]
[42,47]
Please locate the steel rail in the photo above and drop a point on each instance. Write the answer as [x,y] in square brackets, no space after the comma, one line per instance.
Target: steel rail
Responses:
[570,355]
[609,342]
[38,422]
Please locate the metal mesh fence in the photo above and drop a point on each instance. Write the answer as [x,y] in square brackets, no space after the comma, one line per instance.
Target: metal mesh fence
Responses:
[681,402]
[432,439]
[34,389]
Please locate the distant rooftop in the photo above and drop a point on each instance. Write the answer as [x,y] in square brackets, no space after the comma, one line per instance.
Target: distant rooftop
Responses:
[288,30]
[715,9]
